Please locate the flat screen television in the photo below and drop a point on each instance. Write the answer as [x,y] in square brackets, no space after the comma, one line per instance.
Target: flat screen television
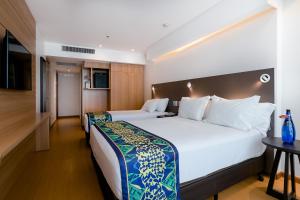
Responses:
[15,69]
[101,78]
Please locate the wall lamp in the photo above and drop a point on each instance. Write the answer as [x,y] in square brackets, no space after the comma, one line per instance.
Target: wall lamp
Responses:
[265,78]
[153,88]
[189,85]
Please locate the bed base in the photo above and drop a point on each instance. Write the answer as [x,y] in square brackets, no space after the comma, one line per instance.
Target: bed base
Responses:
[216,182]
[105,188]
[87,138]
[204,187]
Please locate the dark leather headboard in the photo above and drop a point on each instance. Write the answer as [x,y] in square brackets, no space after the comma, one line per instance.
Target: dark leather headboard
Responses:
[231,86]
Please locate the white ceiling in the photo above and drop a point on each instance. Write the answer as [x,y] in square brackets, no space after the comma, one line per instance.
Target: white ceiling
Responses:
[131,24]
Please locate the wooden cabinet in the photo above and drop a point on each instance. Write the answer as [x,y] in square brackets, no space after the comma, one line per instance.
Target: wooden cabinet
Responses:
[127,86]
[125,92]
[94,99]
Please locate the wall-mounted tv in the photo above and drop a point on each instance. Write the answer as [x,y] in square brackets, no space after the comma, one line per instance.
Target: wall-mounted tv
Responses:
[15,69]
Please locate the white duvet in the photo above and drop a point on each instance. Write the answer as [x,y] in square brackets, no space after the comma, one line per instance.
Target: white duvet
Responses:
[203,148]
[126,115]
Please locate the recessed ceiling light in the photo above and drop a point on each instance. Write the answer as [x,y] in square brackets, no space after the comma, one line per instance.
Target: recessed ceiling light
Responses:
[133,50]
[165,25]
[100,45]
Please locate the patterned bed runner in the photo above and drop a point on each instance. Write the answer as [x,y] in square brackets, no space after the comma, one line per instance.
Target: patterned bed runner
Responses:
[93,117]
[149,164]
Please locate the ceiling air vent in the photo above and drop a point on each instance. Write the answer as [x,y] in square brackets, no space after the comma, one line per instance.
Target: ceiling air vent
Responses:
[78,50]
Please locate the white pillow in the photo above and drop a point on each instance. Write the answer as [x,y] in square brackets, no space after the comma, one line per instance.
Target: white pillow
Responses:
[231,113]
[150,105]
[162,105]
[207,108]
[254,99]
[259,116]
[193,108]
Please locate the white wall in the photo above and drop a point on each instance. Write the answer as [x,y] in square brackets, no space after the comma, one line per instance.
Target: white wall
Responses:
[68,94]
[223,14]
[289,63]
[55,49]
[52,95]
[247,47]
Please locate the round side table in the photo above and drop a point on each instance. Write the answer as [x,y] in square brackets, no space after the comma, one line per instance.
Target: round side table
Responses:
[289,150]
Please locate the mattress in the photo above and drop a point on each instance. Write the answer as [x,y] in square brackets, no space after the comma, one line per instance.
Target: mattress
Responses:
[126,115]
[203,148]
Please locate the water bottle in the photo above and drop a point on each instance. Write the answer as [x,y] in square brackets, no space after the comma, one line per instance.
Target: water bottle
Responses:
[288,129]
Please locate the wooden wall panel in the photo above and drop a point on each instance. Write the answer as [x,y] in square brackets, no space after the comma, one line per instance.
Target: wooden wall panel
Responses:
[94,101]
[12,166]
[16,105]
[127,86]
[16,17]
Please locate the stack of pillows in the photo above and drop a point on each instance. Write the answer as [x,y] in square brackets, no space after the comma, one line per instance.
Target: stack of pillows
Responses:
[159,105]
[243,114]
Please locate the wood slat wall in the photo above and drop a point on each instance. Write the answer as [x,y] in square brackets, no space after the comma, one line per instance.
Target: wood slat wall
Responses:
[127,86]
[16,106]
[14,163]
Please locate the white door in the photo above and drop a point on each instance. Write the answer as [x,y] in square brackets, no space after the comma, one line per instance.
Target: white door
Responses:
[68,91]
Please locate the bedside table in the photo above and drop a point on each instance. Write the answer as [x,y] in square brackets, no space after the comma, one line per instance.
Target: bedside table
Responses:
[290,150]
[167,115]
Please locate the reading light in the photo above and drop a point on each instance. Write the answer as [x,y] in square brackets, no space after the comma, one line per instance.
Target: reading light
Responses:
[189,85]
[165,25]
[265,78]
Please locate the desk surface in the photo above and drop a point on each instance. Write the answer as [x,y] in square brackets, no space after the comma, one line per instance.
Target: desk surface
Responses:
[10,138]
[276,143]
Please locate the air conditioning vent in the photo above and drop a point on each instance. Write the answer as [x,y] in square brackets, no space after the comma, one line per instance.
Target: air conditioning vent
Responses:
[78,50]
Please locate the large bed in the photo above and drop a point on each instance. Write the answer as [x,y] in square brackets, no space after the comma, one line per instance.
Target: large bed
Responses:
[211,157]
[203,148]
[126,115]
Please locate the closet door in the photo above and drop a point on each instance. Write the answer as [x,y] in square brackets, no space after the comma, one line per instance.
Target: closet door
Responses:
[127,86]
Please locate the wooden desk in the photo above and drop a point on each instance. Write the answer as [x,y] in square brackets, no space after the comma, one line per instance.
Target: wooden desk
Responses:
[17,143]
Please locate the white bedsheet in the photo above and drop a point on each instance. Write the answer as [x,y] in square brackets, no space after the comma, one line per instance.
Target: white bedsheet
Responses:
[203,148]
[126,115]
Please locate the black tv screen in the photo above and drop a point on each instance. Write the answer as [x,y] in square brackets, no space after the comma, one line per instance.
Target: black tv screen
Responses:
[15,70]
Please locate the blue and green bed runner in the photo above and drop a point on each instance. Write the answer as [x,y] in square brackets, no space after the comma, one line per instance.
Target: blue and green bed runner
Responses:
[149,164]
[98,116]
